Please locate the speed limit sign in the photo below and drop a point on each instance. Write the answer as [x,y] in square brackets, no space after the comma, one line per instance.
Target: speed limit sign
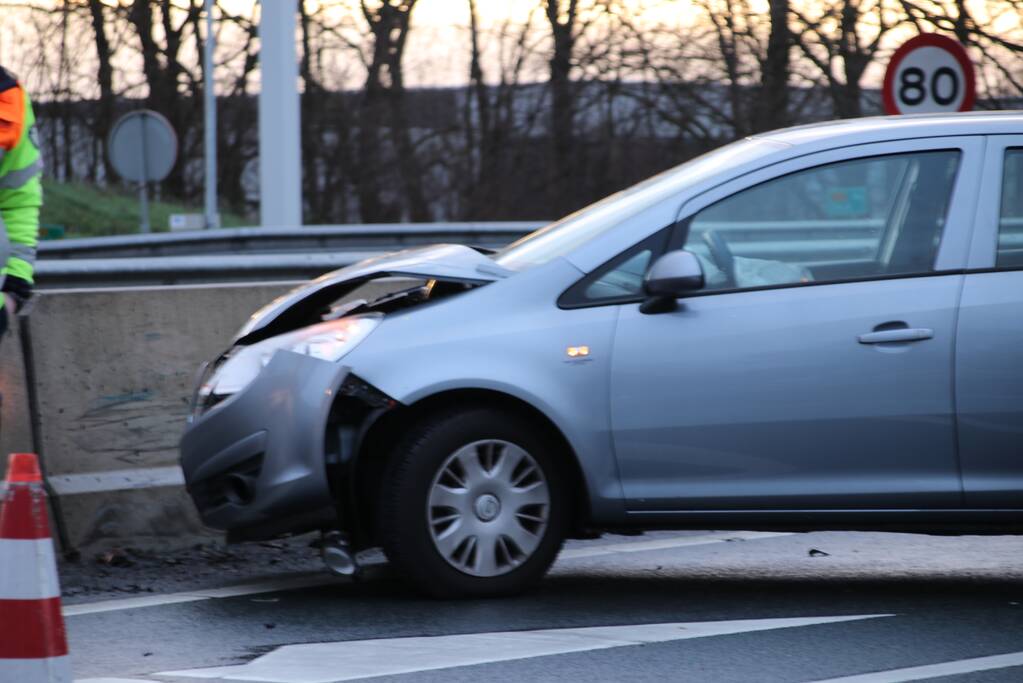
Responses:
[929,73]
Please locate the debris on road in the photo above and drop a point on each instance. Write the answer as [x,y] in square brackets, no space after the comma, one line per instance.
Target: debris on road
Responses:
[818,553]
[115,557]
[121,570]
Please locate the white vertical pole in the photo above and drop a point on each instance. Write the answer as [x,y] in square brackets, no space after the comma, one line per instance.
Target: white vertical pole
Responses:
[280,151]
[210,101]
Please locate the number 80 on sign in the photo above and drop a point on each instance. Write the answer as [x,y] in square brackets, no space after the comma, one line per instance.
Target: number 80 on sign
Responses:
[929,74]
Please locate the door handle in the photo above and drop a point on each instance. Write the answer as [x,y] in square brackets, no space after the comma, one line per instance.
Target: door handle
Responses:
[902,334]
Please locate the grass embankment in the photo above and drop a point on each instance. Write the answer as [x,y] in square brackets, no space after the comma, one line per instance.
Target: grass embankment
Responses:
[84,210]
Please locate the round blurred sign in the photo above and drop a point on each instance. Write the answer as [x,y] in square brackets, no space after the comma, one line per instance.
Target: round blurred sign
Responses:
[143,146]
[929,73]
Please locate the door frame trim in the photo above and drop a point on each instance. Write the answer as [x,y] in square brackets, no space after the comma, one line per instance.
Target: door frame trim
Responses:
[984,243]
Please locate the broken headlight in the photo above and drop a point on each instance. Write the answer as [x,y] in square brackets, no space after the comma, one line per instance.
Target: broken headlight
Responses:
[328,341]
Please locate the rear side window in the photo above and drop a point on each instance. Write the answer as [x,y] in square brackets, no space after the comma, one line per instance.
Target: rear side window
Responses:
[862,218]
[1010,223]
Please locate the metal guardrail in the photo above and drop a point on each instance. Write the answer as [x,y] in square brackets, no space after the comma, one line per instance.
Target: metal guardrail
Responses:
[264,254]
[319,238]
[381,237]
[188,270]
[245,254]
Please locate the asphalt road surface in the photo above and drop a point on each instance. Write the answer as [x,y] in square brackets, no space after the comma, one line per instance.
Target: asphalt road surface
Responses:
[683,606]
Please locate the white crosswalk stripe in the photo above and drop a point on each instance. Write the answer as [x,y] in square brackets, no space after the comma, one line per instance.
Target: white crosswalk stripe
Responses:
[922,673]
[666,543]
[353,660]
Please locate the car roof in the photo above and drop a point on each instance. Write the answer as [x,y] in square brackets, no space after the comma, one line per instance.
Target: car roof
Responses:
[853,131]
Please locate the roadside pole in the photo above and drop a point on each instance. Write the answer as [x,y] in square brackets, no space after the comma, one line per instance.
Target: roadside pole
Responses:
[280,152]
[210,101]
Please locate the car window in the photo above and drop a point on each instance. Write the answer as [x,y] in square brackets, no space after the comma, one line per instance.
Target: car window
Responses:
[1010,223]
[867,217]
[621,278]
[625,279]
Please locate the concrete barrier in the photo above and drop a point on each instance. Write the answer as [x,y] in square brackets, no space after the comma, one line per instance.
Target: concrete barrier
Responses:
[112,371]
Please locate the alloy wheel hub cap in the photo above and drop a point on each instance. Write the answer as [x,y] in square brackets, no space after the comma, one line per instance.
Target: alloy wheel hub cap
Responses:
[487,507]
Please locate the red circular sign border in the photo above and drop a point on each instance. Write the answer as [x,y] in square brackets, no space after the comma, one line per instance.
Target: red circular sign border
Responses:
[929,40]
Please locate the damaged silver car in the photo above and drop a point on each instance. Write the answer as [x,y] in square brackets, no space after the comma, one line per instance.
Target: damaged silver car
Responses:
[817,328]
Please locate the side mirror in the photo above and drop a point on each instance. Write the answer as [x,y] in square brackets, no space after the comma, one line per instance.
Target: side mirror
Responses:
[671,276]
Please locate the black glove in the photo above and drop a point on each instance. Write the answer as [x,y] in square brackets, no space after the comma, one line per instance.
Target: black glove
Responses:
[19,290]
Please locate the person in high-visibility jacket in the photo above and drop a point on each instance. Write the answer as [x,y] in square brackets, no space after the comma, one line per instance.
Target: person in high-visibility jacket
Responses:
[21,195]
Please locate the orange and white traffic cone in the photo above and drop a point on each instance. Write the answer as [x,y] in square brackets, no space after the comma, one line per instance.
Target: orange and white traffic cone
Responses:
[33,646]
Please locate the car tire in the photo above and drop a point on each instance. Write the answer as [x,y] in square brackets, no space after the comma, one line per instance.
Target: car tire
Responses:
[463,511]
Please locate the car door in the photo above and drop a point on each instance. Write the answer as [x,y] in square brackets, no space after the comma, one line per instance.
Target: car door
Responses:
[989,348]
[814,370]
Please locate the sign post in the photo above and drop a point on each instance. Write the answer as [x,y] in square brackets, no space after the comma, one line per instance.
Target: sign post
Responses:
[930,73]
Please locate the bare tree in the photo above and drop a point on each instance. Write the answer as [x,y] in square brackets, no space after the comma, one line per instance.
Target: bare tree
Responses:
[772,104]
[840,41]
[104,118]
[561,16]
[164,70]
[498,117]
[383,98]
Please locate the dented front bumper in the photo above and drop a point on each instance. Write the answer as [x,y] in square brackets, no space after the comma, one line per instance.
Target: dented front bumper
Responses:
[254,463]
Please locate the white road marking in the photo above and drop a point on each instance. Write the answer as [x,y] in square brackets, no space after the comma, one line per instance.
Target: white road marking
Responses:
[666,543]
[116,480]
[352,660]
[326,579]
[111,680]
[193,596]
[921,673]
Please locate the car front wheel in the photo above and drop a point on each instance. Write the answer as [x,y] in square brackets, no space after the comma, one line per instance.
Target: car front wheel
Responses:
[473,504]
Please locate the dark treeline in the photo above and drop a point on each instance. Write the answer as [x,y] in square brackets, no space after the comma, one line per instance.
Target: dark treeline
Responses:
[577,100]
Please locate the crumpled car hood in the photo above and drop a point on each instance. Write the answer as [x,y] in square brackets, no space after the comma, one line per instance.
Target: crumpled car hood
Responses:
[445,262]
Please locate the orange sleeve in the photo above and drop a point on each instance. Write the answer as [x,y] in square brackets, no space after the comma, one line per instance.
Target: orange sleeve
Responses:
[12,117]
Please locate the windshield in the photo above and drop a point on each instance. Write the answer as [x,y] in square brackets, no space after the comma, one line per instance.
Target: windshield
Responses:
[561,237]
